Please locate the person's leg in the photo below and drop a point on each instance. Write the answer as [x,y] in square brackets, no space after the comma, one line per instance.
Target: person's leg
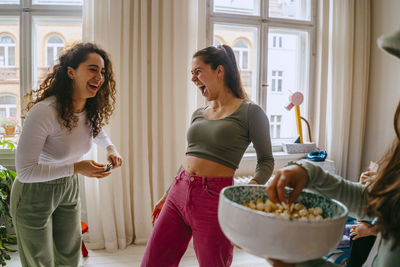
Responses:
[211,246]
[67,224]
[31,209]
[171,235]
[359,250]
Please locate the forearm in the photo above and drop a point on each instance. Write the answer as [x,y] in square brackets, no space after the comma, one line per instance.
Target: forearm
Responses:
[349,193]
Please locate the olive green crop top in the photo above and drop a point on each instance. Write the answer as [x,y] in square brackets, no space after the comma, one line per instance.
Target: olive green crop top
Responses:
[225,140]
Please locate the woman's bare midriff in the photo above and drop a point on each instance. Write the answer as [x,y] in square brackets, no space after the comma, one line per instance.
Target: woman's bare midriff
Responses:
[203,167]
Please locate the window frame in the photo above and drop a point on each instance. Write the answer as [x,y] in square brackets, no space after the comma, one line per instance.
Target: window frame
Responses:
[263,22]
[6,51]
[26,11]
[54,47]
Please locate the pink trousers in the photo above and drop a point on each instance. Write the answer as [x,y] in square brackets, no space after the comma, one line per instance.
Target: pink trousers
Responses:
[191,209]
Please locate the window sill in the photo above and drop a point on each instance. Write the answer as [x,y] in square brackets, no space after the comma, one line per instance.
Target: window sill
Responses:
[249,162]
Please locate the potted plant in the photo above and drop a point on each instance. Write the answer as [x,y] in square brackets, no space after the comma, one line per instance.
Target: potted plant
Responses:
[7,177]
[9,124]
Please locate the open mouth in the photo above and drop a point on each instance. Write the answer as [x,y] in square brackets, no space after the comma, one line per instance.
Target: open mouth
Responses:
[93,86]
[203,89]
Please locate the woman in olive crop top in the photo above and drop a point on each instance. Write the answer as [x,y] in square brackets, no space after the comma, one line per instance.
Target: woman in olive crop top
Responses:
[217,139]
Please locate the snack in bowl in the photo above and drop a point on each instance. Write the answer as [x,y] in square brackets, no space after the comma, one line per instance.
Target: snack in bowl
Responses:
[286,210]
[269,236]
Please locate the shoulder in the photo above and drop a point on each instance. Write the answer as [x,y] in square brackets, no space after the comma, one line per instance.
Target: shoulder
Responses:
[45,109]
[198,113]
[255,111]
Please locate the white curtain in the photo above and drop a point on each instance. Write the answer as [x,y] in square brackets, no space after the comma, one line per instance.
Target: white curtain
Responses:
[343,51]
[151,43]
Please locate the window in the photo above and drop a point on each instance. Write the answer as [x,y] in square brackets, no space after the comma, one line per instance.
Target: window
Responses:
[241,49]
[217,41]
[32,35]
[277,41]
[275,126]
[276,83]
[273,43]
[7,51]
[8,106]
[54,46]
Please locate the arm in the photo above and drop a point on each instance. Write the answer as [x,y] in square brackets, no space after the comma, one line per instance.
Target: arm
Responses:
[333,186]
[112,153]
[40,122]
[260,137]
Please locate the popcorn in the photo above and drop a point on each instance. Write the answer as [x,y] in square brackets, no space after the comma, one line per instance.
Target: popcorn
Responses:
[284,210]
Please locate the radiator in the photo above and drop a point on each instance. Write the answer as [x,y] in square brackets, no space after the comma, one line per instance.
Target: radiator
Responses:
[242,179]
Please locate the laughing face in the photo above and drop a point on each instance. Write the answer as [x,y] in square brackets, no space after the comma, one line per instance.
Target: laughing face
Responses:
[206,79]
[88,78]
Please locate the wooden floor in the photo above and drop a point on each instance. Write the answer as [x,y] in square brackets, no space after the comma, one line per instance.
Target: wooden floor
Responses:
[133,255]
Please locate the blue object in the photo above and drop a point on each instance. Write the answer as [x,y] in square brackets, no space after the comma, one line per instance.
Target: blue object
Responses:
[317,155]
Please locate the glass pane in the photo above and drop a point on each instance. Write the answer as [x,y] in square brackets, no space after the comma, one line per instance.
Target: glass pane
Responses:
[45,55]
[11,55]
[290,9]
[49,56]
[288,72]
[58,2]
[242,7]
[230,34]
[10,110]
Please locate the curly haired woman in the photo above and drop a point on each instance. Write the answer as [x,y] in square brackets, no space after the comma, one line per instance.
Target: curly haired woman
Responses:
[70,108]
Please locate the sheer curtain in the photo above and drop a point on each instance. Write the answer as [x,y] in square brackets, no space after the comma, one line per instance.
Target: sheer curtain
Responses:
[151,43]
[343,51]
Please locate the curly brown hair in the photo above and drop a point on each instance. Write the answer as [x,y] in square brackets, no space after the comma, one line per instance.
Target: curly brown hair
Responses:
[58,84]
[384,191]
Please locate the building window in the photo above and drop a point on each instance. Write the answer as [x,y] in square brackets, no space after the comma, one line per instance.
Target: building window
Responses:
[7,51]
[242,49]
[37,31]
[263,28]
[54,46]
[277,41]
[276,81]
[217,42]
[275,126]
[8,106]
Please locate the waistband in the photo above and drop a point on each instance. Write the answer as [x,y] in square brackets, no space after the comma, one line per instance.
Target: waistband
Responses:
[61,180]
[184,175]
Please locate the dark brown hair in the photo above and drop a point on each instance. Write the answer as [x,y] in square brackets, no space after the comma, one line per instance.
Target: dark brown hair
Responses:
[58,84]
[224,56]
[384,191]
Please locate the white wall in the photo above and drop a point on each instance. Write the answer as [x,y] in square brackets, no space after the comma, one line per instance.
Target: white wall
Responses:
[384,84]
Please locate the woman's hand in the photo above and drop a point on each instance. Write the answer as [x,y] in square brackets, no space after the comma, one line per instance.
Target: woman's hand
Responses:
[90,168]
[278,263]
[293,176]
[367,177]
[114,157]
[253,182]
[157,208]
[362,229]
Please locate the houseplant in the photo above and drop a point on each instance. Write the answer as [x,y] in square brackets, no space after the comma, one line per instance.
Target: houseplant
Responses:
[9,124]
[7,177]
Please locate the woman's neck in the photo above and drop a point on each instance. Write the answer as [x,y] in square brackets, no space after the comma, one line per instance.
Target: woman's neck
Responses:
[223,100]
[78,105]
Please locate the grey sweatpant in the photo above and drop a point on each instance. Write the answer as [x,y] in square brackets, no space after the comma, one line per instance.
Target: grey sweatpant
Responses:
[46,218]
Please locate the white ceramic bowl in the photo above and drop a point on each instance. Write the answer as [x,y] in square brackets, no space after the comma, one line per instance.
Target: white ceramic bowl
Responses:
[268,236]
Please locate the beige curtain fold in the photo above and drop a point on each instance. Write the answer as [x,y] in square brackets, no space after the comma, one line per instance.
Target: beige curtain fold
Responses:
[151,43]
[343,53]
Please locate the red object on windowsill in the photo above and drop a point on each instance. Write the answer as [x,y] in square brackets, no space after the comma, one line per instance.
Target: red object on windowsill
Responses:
[84,229]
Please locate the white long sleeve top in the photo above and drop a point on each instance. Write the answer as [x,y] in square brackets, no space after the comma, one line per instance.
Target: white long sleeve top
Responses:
[46,149]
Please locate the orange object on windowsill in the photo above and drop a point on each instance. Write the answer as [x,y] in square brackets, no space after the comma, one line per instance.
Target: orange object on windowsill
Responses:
[84,229]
